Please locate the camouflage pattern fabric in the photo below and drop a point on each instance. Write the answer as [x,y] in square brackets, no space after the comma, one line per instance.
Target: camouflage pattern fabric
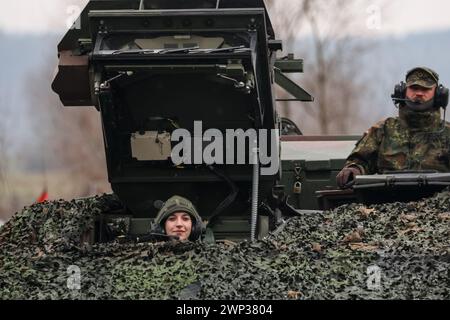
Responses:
[324,255]
[423,77]
[412,141]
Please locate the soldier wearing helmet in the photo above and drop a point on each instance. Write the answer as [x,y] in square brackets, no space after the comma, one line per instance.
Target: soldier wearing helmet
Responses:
[179,218]
[418,139]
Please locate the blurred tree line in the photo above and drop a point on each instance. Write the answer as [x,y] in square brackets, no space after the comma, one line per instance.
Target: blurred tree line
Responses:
[322,32]
[63,155]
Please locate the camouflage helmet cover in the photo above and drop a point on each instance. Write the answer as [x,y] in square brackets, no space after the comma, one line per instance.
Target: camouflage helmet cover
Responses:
[422,76]
[178,204]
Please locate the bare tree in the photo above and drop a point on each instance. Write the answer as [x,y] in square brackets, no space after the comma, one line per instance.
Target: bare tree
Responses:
[333,60]
[285,17]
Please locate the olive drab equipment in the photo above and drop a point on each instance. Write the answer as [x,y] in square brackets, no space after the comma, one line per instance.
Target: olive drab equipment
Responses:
[151,67]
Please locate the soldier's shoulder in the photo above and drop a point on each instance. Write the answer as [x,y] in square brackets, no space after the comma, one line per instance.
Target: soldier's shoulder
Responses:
[385,122]
[391,120]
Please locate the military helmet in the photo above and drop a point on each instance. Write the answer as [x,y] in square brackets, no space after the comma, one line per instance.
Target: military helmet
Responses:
[179,204]
[422,76]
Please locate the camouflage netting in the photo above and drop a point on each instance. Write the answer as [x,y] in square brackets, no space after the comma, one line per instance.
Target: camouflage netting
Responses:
[334,255]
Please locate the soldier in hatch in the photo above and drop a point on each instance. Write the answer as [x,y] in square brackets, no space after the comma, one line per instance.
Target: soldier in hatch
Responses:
[179,218]
[418,139]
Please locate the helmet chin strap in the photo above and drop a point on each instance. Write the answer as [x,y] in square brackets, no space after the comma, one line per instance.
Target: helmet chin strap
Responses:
[418,106]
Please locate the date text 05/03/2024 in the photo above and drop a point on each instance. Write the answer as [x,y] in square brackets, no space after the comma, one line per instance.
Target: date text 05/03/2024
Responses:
[224,309]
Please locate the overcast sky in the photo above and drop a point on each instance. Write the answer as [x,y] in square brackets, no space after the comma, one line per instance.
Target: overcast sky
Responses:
[404,16]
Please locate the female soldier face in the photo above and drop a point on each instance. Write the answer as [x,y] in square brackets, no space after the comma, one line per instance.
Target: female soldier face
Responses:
[179,224]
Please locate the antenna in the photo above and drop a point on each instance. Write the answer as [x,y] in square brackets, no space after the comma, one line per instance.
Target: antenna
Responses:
[141,5]
[217,4]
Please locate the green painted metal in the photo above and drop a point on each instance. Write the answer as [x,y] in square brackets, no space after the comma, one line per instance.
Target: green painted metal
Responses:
[290,86]
[309,166]
[290,65]
[101,65]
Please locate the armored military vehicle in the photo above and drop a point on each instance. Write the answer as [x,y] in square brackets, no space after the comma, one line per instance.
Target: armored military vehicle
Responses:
[153,67]
[157,69]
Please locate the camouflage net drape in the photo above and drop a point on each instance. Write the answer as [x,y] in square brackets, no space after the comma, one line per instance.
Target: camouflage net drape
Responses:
[389,251]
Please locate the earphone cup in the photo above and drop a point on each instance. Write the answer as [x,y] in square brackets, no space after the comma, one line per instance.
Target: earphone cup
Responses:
[197,231]
[399,91]
[441,97]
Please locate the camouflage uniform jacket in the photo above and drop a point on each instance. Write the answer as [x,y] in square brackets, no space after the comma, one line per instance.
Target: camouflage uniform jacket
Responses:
[412,141]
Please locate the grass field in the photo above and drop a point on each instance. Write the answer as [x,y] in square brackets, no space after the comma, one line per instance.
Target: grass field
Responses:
[19,189]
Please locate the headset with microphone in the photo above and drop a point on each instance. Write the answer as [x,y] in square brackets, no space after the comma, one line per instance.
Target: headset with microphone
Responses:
[440,97]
